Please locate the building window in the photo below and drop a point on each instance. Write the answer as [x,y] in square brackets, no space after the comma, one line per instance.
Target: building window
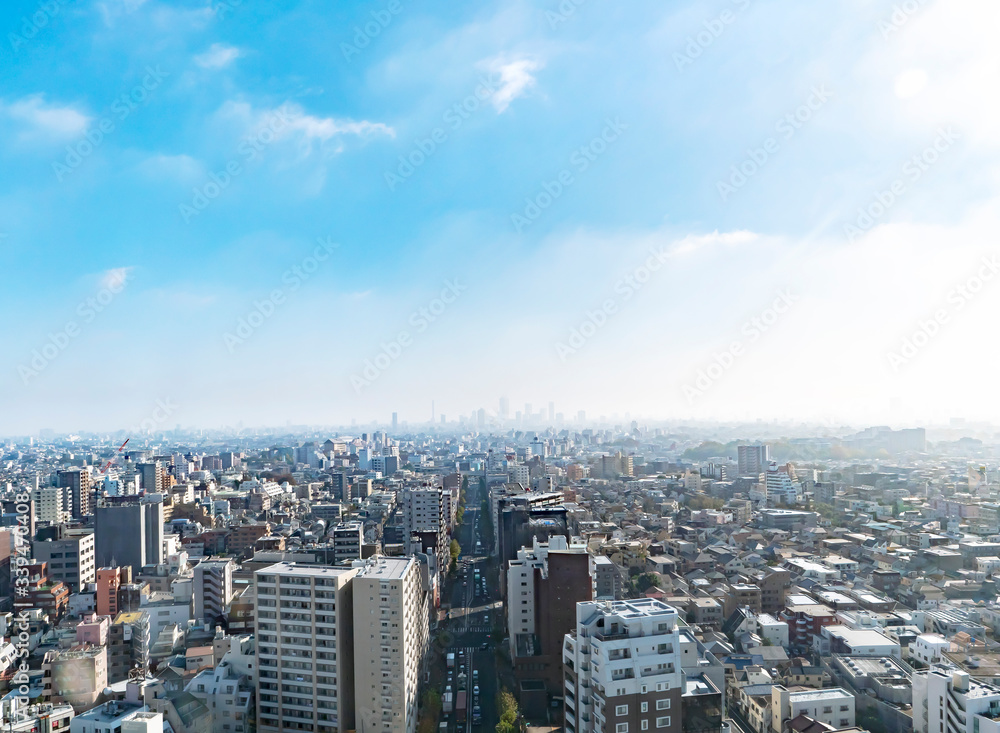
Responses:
[621,728]
[663,704]
[644,707]
[663,722]
[621,710]
[644,724]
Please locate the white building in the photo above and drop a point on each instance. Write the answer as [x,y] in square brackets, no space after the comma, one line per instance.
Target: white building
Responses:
[16,717]
[213,588]
[949,700]
[834,706]
[227,691]
[624,671]
[117,717]
[927,648]
[855,642]
[50,504]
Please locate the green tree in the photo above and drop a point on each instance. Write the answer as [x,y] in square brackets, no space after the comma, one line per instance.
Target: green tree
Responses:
[643,581]
[456,550]
[508,712]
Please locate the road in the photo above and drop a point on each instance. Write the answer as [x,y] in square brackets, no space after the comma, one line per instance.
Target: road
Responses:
[471,623]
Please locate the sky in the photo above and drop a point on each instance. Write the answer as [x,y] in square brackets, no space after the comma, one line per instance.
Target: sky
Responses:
[215,212]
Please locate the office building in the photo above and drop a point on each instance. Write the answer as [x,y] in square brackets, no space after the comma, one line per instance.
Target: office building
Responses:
[70,555]
[129,531]
[75,676]
[151,476]
[109,581]
[347,539]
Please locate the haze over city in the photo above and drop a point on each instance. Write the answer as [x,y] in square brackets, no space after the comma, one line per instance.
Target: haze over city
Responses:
[609,197]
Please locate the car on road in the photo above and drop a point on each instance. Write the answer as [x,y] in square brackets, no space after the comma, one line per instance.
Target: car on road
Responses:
[475,691]
[485,645]
[475,676]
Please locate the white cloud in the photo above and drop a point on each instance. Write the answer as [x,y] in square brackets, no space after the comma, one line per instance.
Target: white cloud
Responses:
[515,78]
[180,167]
[218,56]
[45,120]
[115,277]
[291,122]
[910,83]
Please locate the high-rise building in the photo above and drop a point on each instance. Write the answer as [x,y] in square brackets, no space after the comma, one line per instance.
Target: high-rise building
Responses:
[395,421]
[77,482]
[128,645]
[151,475]
[351,639]
[213,588]
[50,504]
[129,532]
[752,460]
[305,648]
[425,523]
[390,641]
[544,584]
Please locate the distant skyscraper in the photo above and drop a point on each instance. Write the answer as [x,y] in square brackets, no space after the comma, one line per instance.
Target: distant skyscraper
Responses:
[552,412]
[395,421]
[481,417]
[504,408]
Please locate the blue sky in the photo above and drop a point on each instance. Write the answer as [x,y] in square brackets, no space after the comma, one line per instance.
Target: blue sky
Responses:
[646,110]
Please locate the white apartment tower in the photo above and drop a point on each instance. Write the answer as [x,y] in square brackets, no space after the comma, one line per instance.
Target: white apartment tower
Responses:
[949,700]
[50,504]
[424,513]
[624,669]
[305,676]
[390,641]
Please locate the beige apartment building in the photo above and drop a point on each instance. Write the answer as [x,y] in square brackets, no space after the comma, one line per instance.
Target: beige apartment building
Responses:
[340,648]
[390,639]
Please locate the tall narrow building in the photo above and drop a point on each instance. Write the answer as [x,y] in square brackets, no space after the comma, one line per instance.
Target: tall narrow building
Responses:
[305,648]
[390,641]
